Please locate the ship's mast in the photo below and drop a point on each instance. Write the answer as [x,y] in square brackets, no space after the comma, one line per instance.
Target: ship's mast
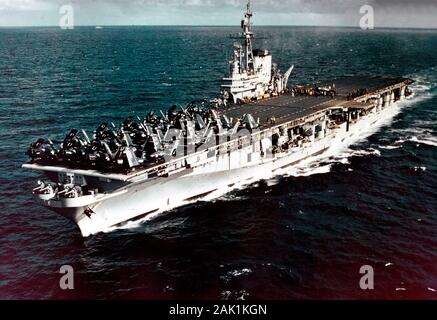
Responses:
[246,25]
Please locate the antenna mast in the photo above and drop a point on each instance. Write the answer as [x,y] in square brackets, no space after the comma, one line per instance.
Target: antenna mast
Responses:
[246,25]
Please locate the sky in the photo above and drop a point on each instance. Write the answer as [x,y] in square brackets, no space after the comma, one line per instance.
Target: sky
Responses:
[387,13]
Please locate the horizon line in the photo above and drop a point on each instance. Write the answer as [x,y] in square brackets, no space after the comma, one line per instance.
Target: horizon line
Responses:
[218,26]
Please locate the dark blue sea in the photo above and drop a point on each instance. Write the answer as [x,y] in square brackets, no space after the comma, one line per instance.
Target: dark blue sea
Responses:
[303,235]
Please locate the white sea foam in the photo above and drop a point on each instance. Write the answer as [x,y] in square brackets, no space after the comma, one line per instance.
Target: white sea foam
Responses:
[427,139]
[304,171]
[425,123]
[239,272]
[430,141]
[236,295]
[419,168]
[225,295]
[366,152]
[242,294]
[389,147]
[234,274]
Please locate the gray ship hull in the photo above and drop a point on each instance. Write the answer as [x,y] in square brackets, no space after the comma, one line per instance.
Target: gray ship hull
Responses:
[136,202]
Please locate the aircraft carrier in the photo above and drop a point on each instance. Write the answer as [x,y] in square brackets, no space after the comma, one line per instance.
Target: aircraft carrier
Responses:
[126,173]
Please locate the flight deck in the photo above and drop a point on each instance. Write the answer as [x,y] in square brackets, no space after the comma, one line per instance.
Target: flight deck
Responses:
[291,107]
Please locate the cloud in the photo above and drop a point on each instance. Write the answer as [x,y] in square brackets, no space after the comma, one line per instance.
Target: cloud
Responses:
[396,13]
[314,6]
[25,5]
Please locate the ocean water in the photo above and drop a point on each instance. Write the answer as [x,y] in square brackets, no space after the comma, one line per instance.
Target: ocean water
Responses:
[302,235]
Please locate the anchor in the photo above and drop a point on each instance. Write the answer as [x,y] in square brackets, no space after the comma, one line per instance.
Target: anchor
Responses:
[88,211]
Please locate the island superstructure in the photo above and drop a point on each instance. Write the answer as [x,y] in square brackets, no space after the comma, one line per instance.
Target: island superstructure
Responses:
[126,173]
[252,74]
